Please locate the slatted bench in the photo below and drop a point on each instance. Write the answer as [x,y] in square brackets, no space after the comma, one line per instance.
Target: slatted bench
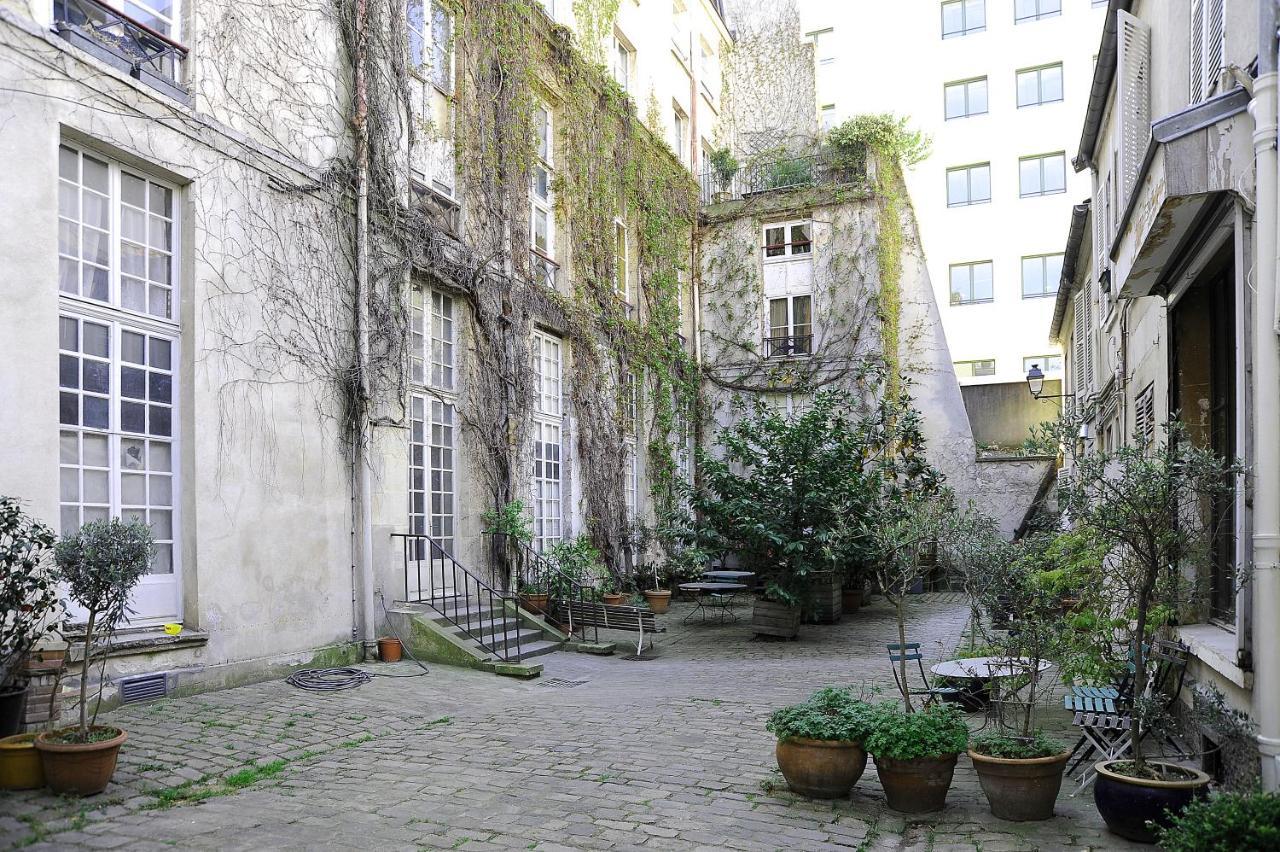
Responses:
[615,617]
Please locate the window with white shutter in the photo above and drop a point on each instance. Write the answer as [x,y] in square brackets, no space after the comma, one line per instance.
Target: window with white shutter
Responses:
[1133,74]
[1081,342]
[1207,48]
[1144,415]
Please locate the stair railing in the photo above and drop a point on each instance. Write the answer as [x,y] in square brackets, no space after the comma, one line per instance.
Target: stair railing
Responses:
[533,573]
[458,595]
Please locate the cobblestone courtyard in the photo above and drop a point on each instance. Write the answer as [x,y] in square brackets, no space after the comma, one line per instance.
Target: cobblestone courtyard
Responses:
[669,753]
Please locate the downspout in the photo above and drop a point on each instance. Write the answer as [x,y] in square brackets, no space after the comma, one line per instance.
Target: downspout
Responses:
[363,442]
[1266,410]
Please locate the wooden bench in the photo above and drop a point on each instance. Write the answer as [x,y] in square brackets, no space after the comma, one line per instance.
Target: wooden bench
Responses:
[615,617]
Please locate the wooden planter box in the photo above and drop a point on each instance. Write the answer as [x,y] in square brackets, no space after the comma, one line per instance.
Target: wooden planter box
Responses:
[769,618]
[824,602]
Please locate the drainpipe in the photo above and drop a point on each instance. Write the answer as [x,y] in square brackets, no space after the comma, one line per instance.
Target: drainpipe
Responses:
[1266,403]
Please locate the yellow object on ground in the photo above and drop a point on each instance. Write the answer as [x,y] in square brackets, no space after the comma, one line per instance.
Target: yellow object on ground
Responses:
[20,767]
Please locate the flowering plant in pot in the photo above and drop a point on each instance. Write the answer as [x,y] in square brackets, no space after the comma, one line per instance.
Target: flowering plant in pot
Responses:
[819,747]
[1145,504]
[915,753]
[100,563]
[28,601]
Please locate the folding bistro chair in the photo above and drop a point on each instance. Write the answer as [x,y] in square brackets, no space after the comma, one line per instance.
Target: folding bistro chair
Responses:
[910,652]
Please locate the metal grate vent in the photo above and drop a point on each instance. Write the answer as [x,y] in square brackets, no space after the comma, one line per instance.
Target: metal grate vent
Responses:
[144,688]
[639,658]
[560,683]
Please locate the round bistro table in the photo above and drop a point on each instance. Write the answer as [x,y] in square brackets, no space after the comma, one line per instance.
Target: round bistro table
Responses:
[713,597]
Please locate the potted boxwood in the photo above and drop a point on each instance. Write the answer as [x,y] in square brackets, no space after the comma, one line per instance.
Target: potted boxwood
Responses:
[100,564]
[915,753]
[1144,505]
[819,746]
[28,600]
[1225,822]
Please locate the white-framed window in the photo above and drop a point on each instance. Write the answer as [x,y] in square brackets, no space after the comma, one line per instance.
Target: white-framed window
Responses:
[1041,85]
[431,41]
[622,60]
[964,98]
[681,39]
[542,220]
[975,369]
[1048,364]
[962,17]
[679,133]
[1207,48]
[828,116]
[790,326]
[708,79]
[433,416]
[971,283]
[432,340]
[1040,275]
[1043,174]
[548,426]
[824,46]
[784,240]
[621,260]
[548,6]
[1025,11]
[163,16]
[969,185]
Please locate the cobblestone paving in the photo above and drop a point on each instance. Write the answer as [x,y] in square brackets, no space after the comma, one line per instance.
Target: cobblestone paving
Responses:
[669,753]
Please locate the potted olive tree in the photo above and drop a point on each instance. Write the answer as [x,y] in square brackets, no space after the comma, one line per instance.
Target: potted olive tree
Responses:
[819,747]
[100,564]
[1145,504]
[28,600]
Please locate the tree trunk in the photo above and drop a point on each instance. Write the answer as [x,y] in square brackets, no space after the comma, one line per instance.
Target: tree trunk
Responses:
[84,677]
[902,653]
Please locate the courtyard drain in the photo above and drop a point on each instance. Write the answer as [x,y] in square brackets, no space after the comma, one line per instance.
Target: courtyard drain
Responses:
[639,658]
[560,683]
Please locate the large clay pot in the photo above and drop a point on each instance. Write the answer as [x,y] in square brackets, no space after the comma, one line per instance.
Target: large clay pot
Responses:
[658,599]
[850,600]
[1020,790]
[536,602]
[821,769]
[81,769]
[1127,803]
[916,786]
[612,599]
[13,708]
[20,763]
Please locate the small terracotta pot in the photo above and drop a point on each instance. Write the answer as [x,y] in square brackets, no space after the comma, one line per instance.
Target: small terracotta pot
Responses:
[658,600]
[20,767]
[917,786]
[821,769]
[1126,803]
[536,603]
[81,769]
[1020,790]
[389,649]
[612,599]
[850,600]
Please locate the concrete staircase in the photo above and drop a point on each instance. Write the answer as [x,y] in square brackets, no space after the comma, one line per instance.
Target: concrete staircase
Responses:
[518,635]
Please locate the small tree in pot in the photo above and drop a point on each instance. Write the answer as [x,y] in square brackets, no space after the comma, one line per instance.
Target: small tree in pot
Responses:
[819,747]
[28,600]
[100,563]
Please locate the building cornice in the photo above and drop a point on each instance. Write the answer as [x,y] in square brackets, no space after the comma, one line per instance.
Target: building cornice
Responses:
[1070,261]
[1104,74]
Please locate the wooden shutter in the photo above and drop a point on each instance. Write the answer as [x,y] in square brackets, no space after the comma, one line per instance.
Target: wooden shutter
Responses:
[1144,414]
[1133,74]
[1099,232]
[1196,82]
[1214,45]
[1081,334]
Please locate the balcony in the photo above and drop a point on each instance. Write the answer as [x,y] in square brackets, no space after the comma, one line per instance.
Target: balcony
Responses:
[790,346]
[542,269]
[120,41]
[780,175]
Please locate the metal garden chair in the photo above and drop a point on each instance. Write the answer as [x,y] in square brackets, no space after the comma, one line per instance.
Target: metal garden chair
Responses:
[910,652]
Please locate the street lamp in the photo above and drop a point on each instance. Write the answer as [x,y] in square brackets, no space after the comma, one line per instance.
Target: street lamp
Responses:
[1035,384]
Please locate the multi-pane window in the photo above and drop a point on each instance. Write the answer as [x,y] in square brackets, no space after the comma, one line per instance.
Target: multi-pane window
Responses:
[961,17]
[975,369]
[965,97]
[432,416]
[969,185]
[621,59]
[620,258]
[115,235]
[432,339]
[971,282]
[707,77]
[1040,85]
[680,33]
[1034,10]
[828,114]
[542,224]
[1040,275]
[1044,174]
[787,239]
[431,41]
[1048,364]
[680,133]
[548,483]
[790,327]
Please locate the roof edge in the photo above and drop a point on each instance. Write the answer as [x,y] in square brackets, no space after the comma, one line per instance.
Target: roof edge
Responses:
[1104,74]
[1075,236]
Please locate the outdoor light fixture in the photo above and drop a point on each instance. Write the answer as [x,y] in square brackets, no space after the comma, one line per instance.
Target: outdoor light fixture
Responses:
[1035,380]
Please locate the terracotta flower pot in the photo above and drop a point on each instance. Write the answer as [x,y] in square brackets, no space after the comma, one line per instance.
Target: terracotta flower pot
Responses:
[81,769]
[1126,803]
[916,786]
[20,767]
[536,602]
[389,649]
[611,599]
[821,769]
[850,600]
[1020,790]
[658,600]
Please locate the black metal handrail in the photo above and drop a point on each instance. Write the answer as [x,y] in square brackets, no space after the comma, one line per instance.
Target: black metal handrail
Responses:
[535,575]
[131,39]
[801,170]
[788,345]
[460,596]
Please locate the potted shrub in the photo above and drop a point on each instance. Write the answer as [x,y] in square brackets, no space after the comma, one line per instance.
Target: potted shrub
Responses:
[100,564]
[915,753]
[819,747]
[511,531]
[1144,506]
[724,166]
[28,599]
[1224,822]
[534,594]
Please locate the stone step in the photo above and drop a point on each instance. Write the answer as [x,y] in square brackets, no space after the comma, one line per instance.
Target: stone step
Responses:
[526,635]
[538,648]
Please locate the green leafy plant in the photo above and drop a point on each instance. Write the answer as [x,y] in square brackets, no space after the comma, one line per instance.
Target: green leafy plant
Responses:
[101,563]
[885,133]
[511,519]
[28,587]
[831,713]
[725,165]
[576,560]
[787,173]
[1225,822]
[902,734]
[1002,745]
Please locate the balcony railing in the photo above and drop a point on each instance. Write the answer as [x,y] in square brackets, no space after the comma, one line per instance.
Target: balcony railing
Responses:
[542,270]
[789,346]
[780,175]
[130,45]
